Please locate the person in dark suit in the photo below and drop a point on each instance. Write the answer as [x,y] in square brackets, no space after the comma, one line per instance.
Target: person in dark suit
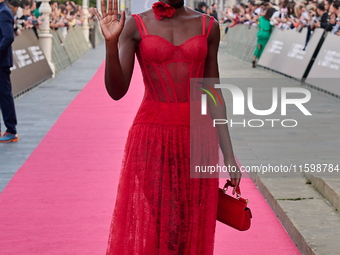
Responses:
[6,62]
[214,11]
[202,7]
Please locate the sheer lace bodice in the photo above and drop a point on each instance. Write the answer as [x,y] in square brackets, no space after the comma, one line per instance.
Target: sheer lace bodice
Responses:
[167,70]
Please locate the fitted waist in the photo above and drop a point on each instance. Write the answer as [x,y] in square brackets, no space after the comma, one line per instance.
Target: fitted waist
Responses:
[170,113]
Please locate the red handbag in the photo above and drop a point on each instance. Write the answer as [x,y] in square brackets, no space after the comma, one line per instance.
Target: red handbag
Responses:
[233,211]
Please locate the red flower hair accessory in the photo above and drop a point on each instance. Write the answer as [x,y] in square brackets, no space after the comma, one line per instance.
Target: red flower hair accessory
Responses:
[161,10]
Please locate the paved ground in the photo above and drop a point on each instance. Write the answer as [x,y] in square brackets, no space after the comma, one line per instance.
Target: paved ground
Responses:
[309,218]
[39,109]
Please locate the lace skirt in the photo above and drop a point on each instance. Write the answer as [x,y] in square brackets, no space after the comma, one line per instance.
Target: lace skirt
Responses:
[159,209]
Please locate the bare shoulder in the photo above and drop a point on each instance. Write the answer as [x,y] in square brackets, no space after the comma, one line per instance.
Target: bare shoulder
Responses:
[193,15]
[148,14]
[130,30]
[130,24]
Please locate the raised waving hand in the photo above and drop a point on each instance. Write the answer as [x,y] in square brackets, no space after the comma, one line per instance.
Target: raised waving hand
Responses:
[109,23]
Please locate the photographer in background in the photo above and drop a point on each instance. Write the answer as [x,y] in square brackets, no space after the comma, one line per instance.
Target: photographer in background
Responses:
[323,17]
[26,17]
[202,7]
[328,4]
[214,11]
[322,21]
[333,15]
[336,28]
[13,6]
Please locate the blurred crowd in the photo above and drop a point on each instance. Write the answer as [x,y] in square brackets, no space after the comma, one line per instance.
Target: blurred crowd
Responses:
[63,16]
[288,14]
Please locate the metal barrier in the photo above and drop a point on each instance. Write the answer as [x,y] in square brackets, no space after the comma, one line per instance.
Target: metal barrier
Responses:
[285,53]
[98,33]
[66,50]
[240,41]
[59,56]
[29,58]
[75,44]
[325,72]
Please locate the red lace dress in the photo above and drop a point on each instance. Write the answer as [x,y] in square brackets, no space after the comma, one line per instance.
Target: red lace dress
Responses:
[159,209]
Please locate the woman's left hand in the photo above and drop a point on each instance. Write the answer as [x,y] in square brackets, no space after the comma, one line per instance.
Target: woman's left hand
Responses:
[235,173]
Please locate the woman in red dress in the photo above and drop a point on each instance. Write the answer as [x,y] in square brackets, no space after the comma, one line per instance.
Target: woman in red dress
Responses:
[159,209]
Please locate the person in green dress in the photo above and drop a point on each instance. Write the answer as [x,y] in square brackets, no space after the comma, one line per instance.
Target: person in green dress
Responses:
[263,33]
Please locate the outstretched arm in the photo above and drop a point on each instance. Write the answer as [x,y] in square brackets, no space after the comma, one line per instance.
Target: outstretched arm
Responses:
[119,60]
[219,111]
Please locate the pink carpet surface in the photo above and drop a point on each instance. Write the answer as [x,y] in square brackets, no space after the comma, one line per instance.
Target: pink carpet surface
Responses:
[61,200]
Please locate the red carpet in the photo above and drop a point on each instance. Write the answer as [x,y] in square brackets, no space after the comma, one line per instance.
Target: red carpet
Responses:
[61,200]
[266,235]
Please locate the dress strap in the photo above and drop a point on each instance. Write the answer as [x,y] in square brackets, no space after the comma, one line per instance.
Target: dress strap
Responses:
[210,25]
[139,22]
[138,25]
[203,27]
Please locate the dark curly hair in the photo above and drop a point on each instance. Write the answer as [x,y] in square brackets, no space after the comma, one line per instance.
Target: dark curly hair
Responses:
[269,13]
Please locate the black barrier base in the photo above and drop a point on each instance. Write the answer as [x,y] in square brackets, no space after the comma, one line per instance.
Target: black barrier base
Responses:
[316,52]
